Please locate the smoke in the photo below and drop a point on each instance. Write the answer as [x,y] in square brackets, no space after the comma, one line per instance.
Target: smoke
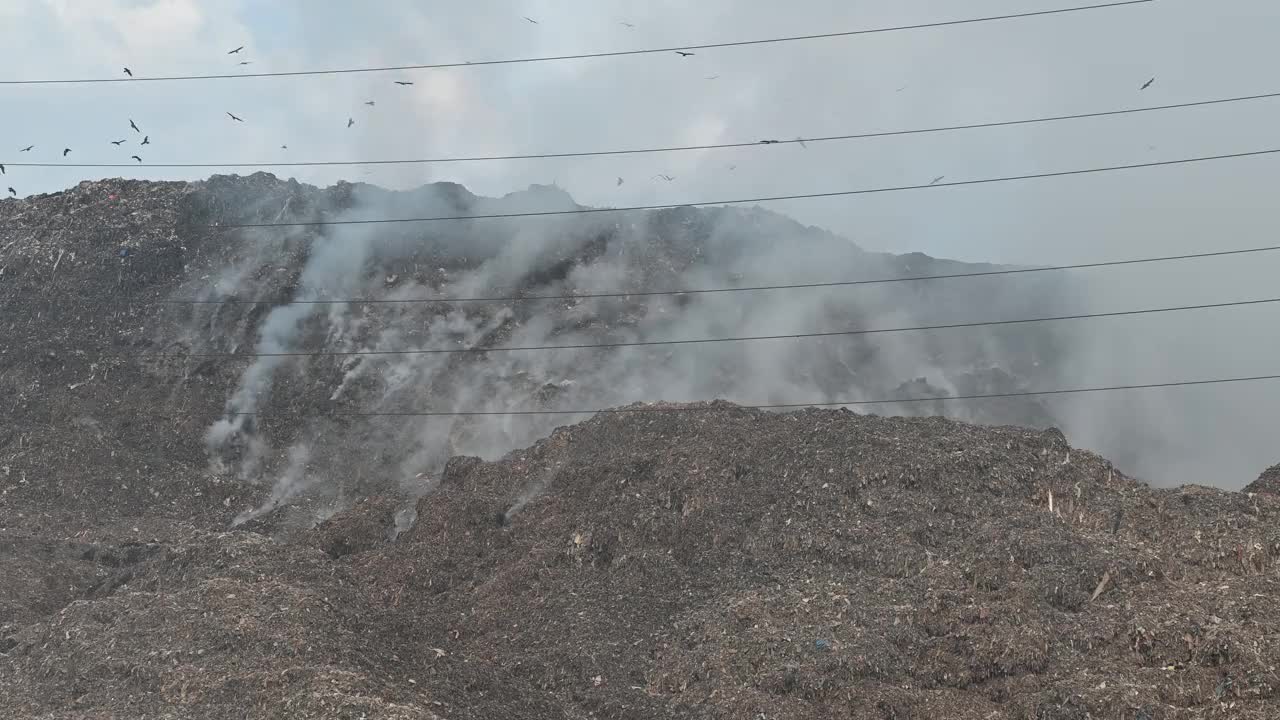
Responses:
[570,256]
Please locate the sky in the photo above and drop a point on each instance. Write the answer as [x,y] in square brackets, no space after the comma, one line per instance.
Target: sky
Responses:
[1005,70]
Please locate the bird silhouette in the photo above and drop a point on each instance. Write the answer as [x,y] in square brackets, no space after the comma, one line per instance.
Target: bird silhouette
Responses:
[233,117]
[668,178]
[135,127]
[682,53]
[627,24]
[937,180]
[117,142]
[135,157]
[284,147]
[713,77]
[1148,83]
[128,72]
[233,52]
[370,103]
[146,139]
[2,172]
[27,148]
[350,122]
[246,62]
[65,151]
[403,82]
[769,142]
[619,182]
[526,17]
[801,141]
[13,192]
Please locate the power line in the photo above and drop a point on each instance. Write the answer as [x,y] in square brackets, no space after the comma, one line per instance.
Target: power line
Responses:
[785,406]
[583,56]
[706,291]
[669,148]
[692,341]
[743,201]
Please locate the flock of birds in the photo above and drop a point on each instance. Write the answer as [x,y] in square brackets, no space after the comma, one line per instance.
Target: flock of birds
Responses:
[146,139]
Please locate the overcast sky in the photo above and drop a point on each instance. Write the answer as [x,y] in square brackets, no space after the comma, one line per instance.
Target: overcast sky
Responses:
[1004,70]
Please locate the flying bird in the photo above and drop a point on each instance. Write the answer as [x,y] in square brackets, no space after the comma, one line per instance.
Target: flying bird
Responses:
[350,122]
[128,72]
[233,117]
[712,77]
[403,82]
[619,182]
[284,147]
[135,157]
[13,192]
[2,172]
[146,139]
[626,24]
[370,103]
[135,127]
[937,180]
[682,53]
[801,141]
[233,52]
[526,17]
[27,148]
[246,62]
[1148,83]
[668,178]
[65,151]
[117,143]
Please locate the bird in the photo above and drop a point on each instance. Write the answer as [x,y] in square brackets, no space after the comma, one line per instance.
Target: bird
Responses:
[233,52]
[769,142]
[65,151]
[135,127]
[1148,83]
[117,143]
[619,182]
[801,141]
[403,82]
[246,62]
[937,180]
[146,139]
[135,157]
[904,87]
[233,117]
[13,192]
[128,72]
[733,167]
[350,122]
[27,148]
[2,172]
[626,24]
[713,77]
[284,147]
[668,178]
[682,53]
[526,17]
[370,103]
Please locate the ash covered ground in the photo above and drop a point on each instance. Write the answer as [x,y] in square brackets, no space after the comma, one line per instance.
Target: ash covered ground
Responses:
[169,556]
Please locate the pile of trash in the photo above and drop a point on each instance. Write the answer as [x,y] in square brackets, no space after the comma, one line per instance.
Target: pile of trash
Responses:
[700,561]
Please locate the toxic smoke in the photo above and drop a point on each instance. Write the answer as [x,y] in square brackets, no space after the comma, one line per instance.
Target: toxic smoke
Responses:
[571,256]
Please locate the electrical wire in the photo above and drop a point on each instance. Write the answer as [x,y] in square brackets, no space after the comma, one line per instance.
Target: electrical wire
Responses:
[780,406]
[743,201]
[666,149]
[580,56]
[706,291]
[693,341]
